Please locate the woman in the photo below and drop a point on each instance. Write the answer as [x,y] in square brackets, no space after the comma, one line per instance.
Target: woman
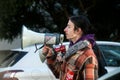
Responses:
[83,65]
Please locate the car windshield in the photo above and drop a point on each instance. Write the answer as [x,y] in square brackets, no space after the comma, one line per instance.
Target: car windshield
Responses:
[111,54]
[9,58]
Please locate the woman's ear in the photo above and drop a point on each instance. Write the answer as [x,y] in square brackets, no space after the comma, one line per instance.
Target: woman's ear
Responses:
[79,30]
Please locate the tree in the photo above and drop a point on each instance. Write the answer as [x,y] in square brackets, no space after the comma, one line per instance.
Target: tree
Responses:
[53,15]
[11,12]
[105,17]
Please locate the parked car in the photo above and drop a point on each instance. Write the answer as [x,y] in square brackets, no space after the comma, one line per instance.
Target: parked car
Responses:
[111,53]
[25,64]
[113,75]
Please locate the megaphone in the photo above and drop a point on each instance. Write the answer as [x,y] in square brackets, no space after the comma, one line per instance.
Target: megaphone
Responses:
[30,37]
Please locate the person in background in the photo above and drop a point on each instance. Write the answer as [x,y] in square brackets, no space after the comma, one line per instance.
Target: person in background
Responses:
[83,64]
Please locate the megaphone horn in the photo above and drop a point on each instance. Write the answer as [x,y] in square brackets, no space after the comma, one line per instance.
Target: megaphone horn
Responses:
[30,37]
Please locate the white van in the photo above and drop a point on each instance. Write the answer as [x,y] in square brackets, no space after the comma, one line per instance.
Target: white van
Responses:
[23,64]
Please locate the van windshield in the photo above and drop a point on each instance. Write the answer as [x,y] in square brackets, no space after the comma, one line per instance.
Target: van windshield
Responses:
[9,58]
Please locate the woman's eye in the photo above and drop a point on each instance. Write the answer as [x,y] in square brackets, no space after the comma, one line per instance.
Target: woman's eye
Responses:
[68,26]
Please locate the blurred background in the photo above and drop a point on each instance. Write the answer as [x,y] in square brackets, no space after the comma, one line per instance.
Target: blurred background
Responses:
[51,16]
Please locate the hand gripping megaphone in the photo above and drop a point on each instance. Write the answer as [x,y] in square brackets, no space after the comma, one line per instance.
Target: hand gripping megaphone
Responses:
[30,37]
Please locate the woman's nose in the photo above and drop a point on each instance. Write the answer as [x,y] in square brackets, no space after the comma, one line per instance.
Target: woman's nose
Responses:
[65,29]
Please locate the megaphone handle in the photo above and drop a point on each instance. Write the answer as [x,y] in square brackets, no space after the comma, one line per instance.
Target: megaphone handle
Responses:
[38,48]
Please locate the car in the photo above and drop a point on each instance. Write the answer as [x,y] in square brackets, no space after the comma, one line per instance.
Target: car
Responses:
[111,53]
[23,64]
[26,63]
[113,75]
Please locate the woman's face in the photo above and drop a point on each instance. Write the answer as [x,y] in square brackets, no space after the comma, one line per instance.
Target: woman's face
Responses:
[70,33]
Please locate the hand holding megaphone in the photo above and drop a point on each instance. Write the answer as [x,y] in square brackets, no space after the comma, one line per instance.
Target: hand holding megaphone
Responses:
[47,51]
[32,38]
[55,52]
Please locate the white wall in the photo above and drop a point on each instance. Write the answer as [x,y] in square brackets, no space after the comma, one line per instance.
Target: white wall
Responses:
[4,45]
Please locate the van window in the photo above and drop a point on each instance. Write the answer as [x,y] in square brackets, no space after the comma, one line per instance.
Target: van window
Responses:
[9,58]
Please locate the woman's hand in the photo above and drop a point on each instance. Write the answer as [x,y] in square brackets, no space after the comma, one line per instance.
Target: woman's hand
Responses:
[47,51]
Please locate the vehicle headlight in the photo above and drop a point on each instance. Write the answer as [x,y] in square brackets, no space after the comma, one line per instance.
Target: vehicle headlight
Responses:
[9,75]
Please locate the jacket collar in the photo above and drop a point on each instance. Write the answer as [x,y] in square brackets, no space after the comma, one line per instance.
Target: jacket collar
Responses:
[89,37]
